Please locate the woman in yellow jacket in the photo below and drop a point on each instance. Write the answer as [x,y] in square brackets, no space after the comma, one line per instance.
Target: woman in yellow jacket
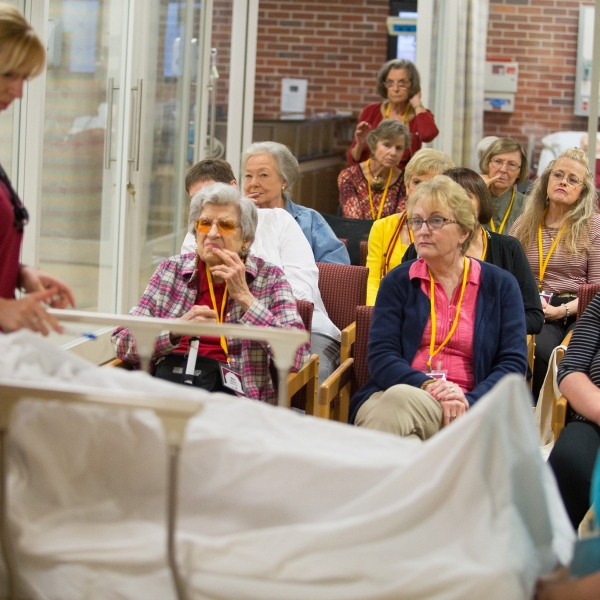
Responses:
[389,237]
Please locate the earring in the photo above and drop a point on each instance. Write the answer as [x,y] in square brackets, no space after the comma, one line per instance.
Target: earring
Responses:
[244,249]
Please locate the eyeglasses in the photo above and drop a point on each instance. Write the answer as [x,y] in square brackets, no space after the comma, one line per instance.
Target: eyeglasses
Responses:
[510,165]
[225,226]
[571,179]
[403,83]
[415,224]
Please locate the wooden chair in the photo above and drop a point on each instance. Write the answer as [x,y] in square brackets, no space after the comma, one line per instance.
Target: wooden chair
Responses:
[530,356]
[352,373]
[586,294]
[304,383]
[364,251]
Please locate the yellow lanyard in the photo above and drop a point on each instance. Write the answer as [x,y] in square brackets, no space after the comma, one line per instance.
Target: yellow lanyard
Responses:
[544,263]
[389,106]
[432,350]
[385,191]
[485,244]
[505,215]
[214,303]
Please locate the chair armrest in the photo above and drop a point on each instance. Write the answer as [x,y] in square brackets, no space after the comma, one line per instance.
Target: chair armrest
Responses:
[307,376]
[348,338]
[559,416]
[337,384]
[567,339]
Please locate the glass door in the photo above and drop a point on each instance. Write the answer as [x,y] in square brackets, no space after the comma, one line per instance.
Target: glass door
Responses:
[82,149]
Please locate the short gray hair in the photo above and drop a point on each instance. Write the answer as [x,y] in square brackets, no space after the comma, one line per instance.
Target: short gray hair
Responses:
[285,162]
[389,130]
[223,194]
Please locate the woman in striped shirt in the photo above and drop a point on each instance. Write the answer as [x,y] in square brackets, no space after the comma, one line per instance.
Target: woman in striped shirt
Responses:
[560,232]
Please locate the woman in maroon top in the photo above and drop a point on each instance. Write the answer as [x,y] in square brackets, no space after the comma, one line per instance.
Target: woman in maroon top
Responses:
[399,85]
[22,55]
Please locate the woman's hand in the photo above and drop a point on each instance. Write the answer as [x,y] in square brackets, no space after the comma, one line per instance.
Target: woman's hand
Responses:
[361,132]
[489,181]
[199,314]
[451,397]
[28,313]
[233,271]
[417,104]
[553,313]
[34,280]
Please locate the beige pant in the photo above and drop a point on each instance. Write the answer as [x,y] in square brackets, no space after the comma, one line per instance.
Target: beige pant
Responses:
[402,410]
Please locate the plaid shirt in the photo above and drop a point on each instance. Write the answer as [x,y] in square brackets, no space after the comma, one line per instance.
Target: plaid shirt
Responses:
[172,291]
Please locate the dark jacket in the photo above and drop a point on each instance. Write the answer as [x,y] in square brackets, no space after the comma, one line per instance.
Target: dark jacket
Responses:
[507,253]
[401,314]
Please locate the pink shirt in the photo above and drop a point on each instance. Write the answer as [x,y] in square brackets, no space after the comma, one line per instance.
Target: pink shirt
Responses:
[457,356]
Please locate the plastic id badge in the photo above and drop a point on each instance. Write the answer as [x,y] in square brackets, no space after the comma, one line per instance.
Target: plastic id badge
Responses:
[438,374]
[231,379]
[546,296]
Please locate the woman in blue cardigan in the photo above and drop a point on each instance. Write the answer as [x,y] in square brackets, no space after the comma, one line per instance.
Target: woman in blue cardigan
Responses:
[432,360]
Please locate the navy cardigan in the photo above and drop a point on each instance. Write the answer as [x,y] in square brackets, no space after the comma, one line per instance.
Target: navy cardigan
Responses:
[401,314]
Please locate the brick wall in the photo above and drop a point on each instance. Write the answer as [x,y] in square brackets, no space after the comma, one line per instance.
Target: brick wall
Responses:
[337,45]
[541,35]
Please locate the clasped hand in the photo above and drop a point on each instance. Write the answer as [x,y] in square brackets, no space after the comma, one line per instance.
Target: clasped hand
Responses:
[451,398]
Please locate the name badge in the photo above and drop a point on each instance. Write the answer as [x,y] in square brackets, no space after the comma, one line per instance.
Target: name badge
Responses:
[546,296]
[438,374]
[231,379]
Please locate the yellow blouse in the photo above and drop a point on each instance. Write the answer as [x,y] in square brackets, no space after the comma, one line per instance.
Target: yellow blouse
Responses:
[379,240]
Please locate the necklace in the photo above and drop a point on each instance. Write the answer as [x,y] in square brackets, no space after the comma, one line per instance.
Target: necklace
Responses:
[389,106]
[549,229]
[377,183]
[382,201]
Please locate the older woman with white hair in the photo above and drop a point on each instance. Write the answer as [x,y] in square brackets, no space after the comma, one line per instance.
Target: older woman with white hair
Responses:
[270,170]
[446,328]
[220,283]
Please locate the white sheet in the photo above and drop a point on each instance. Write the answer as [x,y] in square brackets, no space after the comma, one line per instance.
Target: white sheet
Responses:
[275,505]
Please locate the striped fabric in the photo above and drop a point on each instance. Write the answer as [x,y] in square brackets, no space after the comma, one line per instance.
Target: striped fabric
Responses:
[172,292]
[583,352]
[564,273]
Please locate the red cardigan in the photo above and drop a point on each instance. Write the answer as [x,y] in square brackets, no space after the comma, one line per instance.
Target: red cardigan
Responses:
[422,129]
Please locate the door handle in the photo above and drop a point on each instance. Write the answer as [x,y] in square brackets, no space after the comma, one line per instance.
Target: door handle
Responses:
[110,95]
[137,131]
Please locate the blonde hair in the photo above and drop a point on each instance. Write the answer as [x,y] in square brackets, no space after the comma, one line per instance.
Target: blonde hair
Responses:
[426,161]
[21,50]
[577,219]
[441,192]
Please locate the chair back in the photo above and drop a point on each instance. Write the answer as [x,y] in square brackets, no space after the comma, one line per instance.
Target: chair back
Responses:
[343,288]
[364,315]
[587,292]
[352,230]
[306,309]
[364,250]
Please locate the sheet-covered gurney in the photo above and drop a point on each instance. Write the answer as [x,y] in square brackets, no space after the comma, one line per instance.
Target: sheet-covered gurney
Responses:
[274,505]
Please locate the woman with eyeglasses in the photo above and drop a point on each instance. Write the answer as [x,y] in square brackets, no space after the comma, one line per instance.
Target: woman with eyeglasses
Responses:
[374,189]
[220,283]
[446,328]
[500,250]
[503,166]
[22,56]
[560,232]
[399,84]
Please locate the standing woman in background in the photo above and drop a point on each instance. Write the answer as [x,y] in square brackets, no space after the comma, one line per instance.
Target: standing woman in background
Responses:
[560,232]
[399,84]
[22,55]
[503,166]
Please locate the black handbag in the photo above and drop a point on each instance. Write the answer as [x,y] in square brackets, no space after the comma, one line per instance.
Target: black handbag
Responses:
[207,374]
